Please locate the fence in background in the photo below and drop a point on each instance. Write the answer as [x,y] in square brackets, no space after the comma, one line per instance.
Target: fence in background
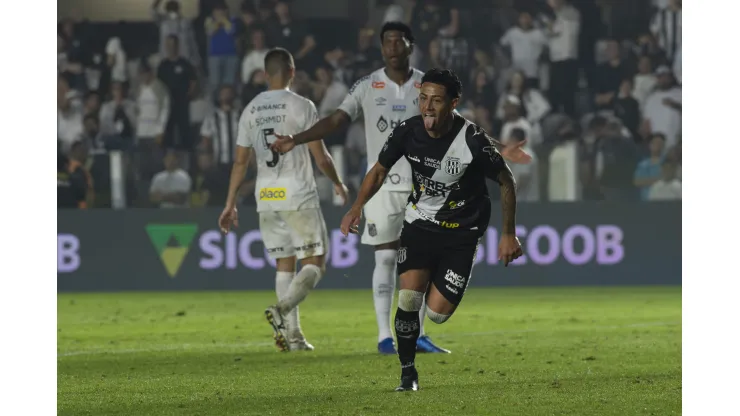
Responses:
[565,244]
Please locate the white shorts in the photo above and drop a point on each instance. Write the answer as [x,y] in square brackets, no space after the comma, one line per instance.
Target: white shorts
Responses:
[294,233]
[384,215]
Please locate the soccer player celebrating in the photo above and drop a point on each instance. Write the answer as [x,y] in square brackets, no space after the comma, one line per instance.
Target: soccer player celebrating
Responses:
[385,98]
[447,212]
[291,222]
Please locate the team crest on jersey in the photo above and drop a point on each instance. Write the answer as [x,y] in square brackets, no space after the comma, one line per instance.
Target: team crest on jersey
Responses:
[401,255]
[372,230]
[452,165]
[382,124]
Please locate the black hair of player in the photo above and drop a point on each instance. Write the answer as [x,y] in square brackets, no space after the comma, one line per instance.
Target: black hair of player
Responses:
[397,27]
[278,61]
[446,78]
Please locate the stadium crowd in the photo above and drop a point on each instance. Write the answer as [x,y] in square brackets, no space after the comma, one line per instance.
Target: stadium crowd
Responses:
[601,73]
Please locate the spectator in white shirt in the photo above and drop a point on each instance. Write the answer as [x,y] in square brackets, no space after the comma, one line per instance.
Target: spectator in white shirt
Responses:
[118,116]
[69,115]
[513,119]
[171,187]
[116,60]
[563,34]
[255,59]
[526,175]
[668,188]
[526,44]
[645,80]
[328,90]
[662,110]
[534,104]
[153,103]
[666,27]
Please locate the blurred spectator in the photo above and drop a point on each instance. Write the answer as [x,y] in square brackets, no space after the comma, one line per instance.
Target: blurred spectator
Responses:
[432,18]
[91,137]
[526,175]
[209,188]
[666,27]
[328,91]
[608,77]
[675,155]
[356,152]
[179,76]
[668,188]
[525,44]
[118,117]
[222,54]
[649,170]
[563,34]
[483,91]
[265,11]
[513,119]
[645,80]
[71,185]
[648,46]
[483,117]
[367,57]
[257,84]
[662,111]
[218,133]
[255,59]
[289,34]
[153,102]
[69,116]
[92,104]
[626,108]
[74,54]
[171,187]
[61,55]
[245,25]
[116,60]
[432,58]
[677,66]
[171,23]
[78,170]
[534,104]
[615,164]
[482,62]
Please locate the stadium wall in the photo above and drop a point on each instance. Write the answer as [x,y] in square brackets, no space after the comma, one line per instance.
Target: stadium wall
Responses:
[565,244]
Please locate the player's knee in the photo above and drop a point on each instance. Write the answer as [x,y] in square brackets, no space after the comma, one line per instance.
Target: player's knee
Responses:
[385,258]
[312,273]
[437,318]
[410,300]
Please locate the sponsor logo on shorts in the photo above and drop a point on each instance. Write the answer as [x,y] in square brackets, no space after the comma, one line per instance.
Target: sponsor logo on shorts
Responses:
[452,165]
[275,250]
[455,279]
[372,230]
[307,246]
[272,194]
[378,85]
[401,257]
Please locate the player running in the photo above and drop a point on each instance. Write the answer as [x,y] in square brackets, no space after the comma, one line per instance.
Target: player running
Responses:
[291,222]
[447,213]
[385,98]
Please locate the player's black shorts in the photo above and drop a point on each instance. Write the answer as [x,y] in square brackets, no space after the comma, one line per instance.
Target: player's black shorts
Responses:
[448,256]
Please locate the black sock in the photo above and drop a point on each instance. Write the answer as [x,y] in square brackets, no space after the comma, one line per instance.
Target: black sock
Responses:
[407,332]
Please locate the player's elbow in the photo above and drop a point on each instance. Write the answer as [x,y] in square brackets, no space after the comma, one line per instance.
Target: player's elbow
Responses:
[325,163]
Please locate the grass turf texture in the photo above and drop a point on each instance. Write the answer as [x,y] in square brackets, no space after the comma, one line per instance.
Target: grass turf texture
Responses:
[560,351]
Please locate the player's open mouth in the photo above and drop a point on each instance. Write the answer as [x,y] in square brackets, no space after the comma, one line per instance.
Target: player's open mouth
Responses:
[429,120]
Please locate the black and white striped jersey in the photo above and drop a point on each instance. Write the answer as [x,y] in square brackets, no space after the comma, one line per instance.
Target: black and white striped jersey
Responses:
[448,174]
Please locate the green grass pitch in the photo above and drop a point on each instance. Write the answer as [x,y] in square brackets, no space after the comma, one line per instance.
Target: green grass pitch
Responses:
[515,351]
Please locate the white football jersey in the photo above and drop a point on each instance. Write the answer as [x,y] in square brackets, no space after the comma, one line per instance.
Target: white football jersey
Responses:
[384,105]
[285,182]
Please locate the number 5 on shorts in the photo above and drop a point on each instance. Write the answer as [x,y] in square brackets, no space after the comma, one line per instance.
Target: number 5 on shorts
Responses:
[275,155]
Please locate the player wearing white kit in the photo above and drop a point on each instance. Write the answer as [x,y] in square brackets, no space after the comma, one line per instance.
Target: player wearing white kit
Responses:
[385,98]
[291,222]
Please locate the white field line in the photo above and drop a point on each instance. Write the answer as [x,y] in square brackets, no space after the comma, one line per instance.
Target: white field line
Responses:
[246,345]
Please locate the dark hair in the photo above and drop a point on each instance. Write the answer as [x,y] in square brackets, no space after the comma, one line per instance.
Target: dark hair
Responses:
[175,38]
[397,26]
[91,117]
[518,134]
[172,6]
[445,78]
[660,136]
[278,60]
[220,5]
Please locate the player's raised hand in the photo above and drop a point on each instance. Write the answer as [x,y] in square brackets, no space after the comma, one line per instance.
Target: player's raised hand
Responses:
[515,154]
[283,144]
[509,248]
[343,192]
[227,218]
[351,221]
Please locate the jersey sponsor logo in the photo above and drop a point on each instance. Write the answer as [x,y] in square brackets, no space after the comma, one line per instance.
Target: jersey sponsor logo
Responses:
[261,121]
[382,124]
[372,230]
[399,108]
[426,217]
[401,257]
[432,163]
[430,187]
[455,279]
[378,85]
[267,107]
[456,204]
[452,289]
[380,101]
[273,194]
[414,158]
[452,165]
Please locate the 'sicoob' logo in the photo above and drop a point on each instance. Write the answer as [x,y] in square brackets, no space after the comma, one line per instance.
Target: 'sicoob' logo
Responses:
[172,242]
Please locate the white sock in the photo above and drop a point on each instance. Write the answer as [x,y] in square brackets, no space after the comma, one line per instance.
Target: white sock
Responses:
[302,283]
[384,284]
[422,314]
[282,283]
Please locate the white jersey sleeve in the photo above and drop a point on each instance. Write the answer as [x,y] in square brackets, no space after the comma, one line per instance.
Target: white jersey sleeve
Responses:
[353,102]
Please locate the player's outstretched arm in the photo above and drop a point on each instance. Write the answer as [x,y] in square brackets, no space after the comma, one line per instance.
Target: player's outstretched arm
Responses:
[318,131]
[238,171]
[370,186]
[326,165]
[509,247]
